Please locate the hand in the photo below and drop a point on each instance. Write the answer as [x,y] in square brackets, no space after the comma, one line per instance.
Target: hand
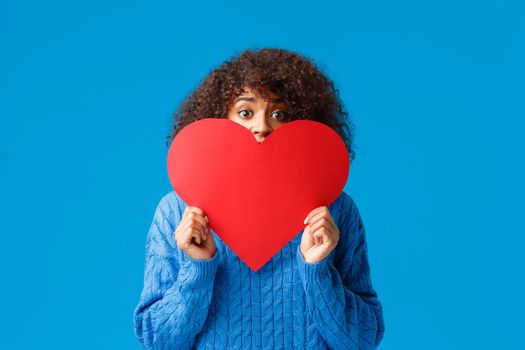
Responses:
[320,235]
[193,235]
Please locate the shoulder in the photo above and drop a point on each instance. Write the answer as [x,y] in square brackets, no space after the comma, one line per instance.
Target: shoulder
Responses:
[170,207]
[343,208]
[166,219]
[347,217]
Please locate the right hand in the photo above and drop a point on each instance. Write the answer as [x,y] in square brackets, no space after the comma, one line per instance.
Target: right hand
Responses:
[193,235]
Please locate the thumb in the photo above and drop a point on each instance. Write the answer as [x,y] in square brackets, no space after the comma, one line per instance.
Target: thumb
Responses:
[307,237]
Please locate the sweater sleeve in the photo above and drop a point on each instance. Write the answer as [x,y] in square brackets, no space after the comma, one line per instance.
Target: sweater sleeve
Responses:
[177,291]
[339,295]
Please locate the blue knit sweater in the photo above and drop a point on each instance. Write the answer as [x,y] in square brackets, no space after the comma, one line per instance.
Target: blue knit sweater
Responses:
[220,303]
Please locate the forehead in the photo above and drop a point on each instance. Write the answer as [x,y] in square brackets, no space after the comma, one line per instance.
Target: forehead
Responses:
[254,93]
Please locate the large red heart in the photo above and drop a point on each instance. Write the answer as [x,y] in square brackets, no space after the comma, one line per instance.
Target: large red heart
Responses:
[257,196]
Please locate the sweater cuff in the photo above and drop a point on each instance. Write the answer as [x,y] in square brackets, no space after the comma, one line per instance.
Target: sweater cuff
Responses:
[202,271]
[311,273]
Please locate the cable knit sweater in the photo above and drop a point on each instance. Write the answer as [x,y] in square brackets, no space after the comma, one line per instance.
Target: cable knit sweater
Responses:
[220,303]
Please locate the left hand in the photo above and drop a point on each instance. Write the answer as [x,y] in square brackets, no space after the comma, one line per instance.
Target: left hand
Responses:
[320,235]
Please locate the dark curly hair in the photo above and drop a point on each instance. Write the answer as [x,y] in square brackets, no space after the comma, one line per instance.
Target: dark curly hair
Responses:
[306,90]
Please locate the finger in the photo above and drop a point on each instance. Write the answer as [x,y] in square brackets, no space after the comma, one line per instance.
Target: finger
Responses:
[188,235]
[179,233]
[324,236]
[199,222]
[194,238]
[193,212]
[199,229]
[197,237]
[318,236]
[323,231]
[204,221]
[307,234]
[323,217]
[311,234]
[191,225]
[324,212]
[185,215]
[312,213]
[204,237]
[327,237]
[307,230]
[323,221]
[198,211]
[185,239]
[315,237]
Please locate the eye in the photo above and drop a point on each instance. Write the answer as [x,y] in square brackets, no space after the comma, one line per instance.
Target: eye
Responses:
[244,115]
[281,116]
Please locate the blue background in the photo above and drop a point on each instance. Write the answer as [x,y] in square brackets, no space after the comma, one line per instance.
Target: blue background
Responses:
[436,90]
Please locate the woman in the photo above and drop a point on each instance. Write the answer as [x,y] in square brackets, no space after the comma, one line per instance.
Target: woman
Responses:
[316,292]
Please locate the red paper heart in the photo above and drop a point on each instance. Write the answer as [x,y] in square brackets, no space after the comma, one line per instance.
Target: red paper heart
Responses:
[257,196]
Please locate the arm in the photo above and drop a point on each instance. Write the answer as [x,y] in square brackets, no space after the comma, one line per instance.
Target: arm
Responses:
[339,296]
[177,291]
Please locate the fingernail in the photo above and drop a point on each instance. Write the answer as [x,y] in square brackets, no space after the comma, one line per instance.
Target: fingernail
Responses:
[305,220]
[207,220]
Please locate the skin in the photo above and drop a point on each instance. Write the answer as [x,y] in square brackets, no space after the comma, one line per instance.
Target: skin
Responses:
[261,117]
[320,236]
[193,235]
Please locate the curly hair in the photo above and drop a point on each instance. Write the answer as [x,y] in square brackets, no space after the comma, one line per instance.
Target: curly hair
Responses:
[306,90]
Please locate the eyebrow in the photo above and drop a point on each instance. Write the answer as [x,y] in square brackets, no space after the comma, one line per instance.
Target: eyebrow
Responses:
[251,99]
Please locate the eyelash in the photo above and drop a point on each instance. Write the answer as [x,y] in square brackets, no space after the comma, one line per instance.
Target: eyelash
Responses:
[285,114]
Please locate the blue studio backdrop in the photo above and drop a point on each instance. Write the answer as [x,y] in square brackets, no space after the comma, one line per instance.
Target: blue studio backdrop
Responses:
[435,89]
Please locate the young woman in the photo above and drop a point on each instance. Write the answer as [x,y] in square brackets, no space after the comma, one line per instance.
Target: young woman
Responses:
[316,292]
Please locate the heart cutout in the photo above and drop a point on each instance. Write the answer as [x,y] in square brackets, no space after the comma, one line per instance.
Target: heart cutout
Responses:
[257,196]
